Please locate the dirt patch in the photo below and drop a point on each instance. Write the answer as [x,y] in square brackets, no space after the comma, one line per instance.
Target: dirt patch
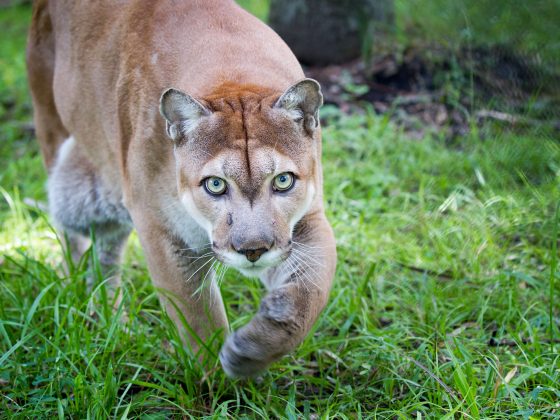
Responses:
[433,89]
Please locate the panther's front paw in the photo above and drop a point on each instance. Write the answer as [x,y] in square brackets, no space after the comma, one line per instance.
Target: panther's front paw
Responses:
[238,358]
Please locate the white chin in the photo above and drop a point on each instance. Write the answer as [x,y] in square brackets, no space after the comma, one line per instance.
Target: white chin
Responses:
[252,271]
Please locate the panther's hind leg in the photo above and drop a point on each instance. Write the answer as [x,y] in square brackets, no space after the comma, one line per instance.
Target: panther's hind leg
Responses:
[110,241]
[40,58]
[80,204]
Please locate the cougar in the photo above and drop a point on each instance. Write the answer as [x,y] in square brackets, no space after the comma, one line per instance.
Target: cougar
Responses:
[191,122]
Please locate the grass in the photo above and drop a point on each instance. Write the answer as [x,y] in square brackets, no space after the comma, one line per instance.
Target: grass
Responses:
[445,302]
[528,27]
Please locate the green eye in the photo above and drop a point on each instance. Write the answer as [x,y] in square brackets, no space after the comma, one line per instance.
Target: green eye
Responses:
[215,185]
[283,182]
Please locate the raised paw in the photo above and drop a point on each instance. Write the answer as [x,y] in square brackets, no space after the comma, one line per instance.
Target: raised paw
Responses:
[238,358]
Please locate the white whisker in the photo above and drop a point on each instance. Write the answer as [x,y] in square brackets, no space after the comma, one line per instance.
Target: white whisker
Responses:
[299,271]
[202,285]
[197,249]
[309,246]
[308,254]
[198,257]
[200,268]
[224,268]
[295,271]
[308,275]
[307,257]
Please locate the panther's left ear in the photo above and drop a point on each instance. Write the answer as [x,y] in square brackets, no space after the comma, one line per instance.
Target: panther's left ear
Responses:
[303,101]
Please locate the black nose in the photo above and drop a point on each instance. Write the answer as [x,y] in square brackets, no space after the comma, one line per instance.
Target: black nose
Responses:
[252,254]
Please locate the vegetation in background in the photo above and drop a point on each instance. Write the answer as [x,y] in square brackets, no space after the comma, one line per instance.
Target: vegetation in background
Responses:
[259,8]
[479,60]
[528,27]
[445,302]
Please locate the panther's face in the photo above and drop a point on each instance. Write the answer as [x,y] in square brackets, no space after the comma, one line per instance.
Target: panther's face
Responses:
[247,168]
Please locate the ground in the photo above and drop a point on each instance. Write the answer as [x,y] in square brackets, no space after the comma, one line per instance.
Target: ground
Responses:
[445,302]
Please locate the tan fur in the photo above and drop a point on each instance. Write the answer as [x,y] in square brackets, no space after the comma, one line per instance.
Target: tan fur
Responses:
[239,110]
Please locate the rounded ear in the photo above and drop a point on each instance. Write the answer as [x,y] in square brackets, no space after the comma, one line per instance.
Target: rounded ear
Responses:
[181,111]
[303,100]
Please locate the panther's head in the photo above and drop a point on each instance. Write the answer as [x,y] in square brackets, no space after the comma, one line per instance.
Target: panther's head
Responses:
[248,166]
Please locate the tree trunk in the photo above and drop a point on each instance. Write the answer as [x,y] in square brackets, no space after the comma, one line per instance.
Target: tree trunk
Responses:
[331,31]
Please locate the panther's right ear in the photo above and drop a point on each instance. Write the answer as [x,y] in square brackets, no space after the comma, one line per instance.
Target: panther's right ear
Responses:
[182,112]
